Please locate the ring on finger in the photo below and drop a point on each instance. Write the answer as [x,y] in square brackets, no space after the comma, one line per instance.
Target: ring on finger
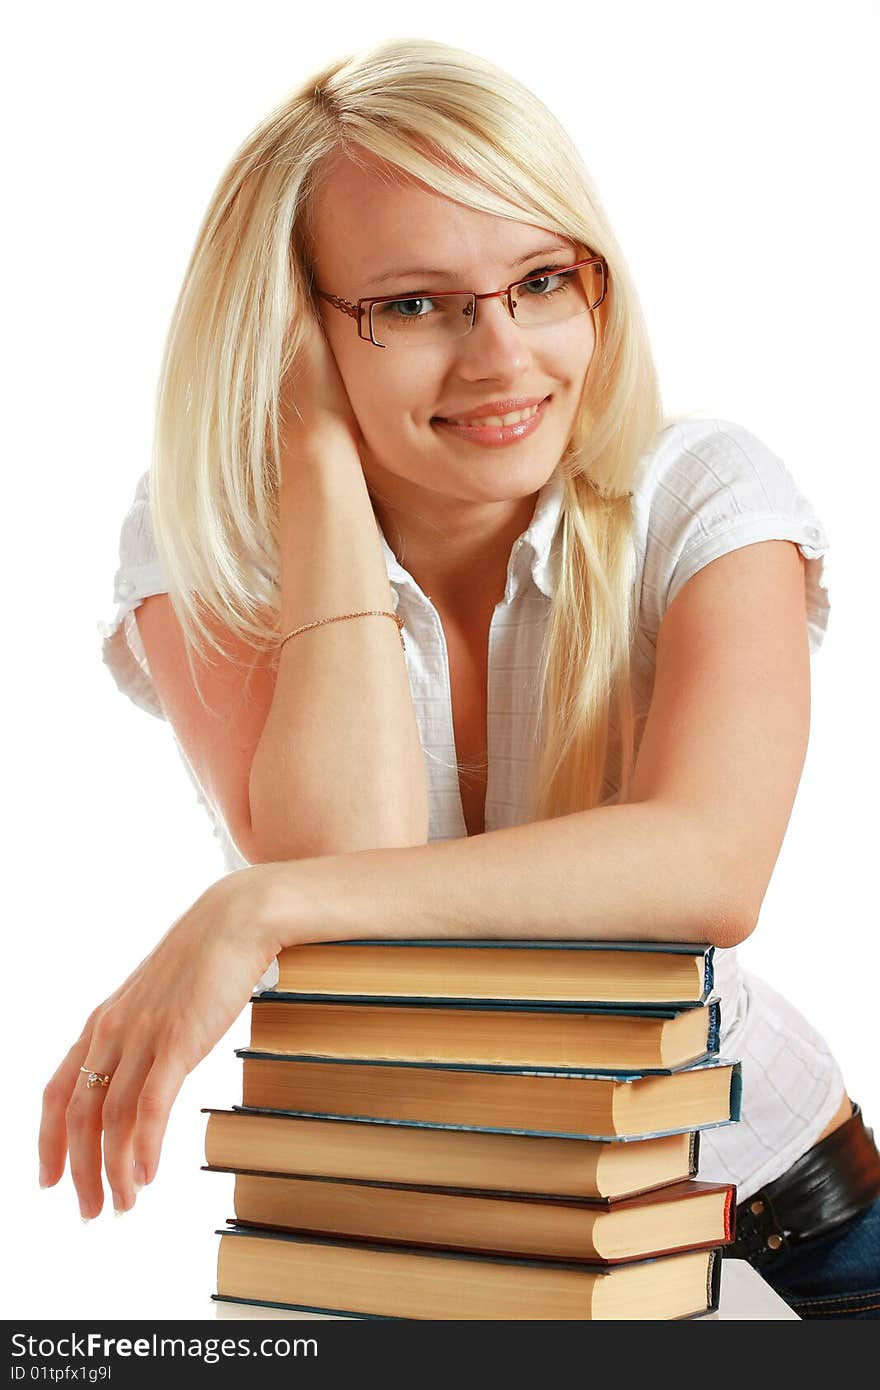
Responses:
[96,1078]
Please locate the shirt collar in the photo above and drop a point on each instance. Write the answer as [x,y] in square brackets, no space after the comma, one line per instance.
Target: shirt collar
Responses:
[535,546]
[531,553]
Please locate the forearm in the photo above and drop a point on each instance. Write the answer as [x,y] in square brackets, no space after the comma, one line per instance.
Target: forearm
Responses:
[645,871]
[339,765]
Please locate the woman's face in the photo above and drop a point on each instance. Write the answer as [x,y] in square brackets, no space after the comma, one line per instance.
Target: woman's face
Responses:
[368,228]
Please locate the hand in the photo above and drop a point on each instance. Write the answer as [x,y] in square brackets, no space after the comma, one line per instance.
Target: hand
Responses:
[148,1035]
[316,407]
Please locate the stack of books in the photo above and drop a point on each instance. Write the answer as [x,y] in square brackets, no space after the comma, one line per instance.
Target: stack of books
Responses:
[479,1129]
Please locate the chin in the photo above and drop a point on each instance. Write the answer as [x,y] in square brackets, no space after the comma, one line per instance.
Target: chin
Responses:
[497,479]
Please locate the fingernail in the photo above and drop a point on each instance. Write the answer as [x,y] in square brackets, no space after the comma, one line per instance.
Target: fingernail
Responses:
[118,1208]
[44,1175]
[85,1219]
[139,1177]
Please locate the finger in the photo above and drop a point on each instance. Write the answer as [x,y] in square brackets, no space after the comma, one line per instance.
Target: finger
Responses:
[52,1142]
[119,1114]
[165,1079]
[84,1124]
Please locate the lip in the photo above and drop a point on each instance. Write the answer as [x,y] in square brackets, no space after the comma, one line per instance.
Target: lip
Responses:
[498,436]
[505,407]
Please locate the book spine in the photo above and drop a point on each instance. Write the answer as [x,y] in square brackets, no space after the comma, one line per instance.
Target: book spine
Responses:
[713,1282]
[713,1041]
[695,1152]
[736,1087]
[730,1215]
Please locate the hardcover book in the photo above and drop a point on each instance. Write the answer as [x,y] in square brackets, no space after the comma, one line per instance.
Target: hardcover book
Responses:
[610,1039]
[588,973]
[578,1104]
[323,1275]
[301,1145]
[685,1216]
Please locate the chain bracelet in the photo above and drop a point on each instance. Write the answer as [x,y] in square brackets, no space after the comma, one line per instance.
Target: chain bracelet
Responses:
[365,613]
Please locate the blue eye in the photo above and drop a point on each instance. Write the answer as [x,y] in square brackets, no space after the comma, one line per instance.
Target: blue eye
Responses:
[402,308]
[538,287]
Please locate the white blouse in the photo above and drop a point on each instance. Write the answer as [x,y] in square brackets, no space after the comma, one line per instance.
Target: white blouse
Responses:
[706,487]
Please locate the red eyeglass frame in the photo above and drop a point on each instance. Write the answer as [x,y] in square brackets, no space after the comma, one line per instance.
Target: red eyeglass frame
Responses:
[364,306]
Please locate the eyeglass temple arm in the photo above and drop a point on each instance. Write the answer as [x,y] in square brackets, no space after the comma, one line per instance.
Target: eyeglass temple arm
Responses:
[343,304]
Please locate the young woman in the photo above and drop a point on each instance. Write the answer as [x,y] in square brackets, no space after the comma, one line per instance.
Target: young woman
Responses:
[457,634]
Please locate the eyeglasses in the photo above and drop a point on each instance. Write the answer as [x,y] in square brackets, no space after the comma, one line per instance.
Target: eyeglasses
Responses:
[551,295]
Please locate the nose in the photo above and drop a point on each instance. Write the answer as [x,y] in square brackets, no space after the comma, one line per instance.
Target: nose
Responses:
[496,347]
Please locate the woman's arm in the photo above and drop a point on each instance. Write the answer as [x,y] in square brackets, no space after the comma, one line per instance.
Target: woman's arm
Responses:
[297,755]
[339,764]
[689,857]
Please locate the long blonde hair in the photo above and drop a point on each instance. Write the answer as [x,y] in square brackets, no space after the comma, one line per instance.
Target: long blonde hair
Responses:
[237,329]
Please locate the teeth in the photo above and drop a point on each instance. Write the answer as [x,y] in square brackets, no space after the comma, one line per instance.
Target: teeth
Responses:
[496,420]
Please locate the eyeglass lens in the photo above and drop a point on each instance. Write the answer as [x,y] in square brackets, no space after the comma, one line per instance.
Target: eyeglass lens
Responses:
[552,297]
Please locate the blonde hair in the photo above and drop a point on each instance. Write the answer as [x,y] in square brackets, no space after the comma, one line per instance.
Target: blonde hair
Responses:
[237,329]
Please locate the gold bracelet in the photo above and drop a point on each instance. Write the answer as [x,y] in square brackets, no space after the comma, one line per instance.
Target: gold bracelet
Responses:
[366,613]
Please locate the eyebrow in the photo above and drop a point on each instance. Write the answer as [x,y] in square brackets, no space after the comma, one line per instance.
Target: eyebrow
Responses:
[388,275]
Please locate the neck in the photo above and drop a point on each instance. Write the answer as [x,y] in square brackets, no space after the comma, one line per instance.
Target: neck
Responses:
[457,551]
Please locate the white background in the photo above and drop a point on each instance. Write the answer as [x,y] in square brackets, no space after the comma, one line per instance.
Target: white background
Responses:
[733,146]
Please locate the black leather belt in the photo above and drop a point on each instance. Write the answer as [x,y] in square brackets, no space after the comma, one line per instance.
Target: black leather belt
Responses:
[831,1183]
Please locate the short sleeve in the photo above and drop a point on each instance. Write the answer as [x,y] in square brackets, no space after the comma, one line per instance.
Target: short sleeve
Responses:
[710,487]
[139,575]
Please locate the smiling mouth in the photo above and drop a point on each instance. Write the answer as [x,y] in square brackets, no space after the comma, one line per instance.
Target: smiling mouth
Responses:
[514,417]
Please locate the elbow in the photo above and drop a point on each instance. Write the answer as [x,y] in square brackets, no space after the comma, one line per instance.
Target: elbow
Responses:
[710,876]
[731,887]
[727,927]
[728,917]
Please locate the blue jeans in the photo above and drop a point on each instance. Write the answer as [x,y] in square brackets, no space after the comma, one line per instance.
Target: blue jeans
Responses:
[831,1276]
